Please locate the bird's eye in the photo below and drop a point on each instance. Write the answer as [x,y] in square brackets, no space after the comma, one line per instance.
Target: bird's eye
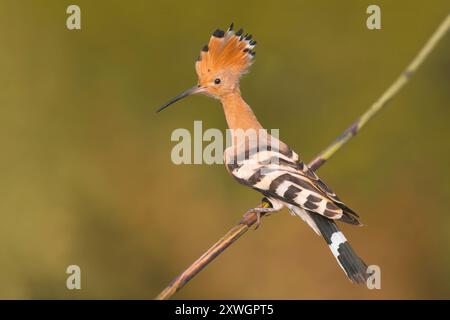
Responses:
[217,81]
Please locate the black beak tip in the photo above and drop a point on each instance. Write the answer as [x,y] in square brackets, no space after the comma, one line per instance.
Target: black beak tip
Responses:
[160,109]
[182,95]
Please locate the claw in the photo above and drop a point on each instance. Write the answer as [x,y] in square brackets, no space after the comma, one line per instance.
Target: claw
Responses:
[261,210]
[258,219]
[257,212]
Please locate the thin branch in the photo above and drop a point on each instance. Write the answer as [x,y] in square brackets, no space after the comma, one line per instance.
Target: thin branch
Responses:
[387,96]
[249,219]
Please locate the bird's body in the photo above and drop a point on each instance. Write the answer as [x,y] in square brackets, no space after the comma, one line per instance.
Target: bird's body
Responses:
[263,162]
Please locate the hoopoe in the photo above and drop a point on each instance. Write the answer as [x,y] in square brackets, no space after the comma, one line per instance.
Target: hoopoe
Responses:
[263,162]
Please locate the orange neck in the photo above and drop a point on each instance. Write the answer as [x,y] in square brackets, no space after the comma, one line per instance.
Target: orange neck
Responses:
[238,113]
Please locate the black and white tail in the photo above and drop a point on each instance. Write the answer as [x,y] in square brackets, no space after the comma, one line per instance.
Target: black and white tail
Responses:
[354,266]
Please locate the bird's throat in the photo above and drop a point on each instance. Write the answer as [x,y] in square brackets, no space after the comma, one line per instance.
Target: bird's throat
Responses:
[238,113]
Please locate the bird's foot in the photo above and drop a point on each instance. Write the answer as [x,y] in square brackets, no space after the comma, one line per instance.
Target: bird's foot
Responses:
[258,211]
[258,220]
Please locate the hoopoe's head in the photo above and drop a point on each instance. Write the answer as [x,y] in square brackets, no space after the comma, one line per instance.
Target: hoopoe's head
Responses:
[221,63]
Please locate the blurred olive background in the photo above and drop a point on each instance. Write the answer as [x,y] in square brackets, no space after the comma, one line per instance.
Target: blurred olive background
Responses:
[86,175]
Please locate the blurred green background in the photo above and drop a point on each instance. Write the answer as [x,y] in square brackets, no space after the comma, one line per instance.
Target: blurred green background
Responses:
[86,175]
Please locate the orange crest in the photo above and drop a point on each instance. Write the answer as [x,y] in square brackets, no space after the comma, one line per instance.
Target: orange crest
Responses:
[231,51]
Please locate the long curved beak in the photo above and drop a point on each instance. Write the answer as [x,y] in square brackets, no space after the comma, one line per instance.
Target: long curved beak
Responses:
[182,95]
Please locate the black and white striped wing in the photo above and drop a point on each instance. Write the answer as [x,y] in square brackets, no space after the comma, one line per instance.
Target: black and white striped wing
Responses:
[280,175]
